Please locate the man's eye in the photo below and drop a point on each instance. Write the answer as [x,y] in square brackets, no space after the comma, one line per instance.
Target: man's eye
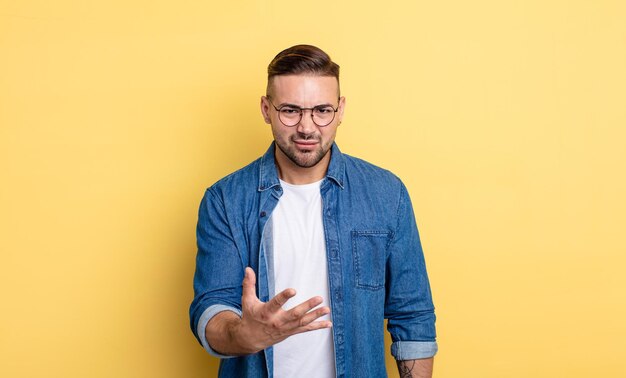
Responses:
[289,110]
[325,110]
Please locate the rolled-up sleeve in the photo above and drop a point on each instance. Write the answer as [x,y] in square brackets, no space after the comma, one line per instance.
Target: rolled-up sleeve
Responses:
[206,316]
[409,306]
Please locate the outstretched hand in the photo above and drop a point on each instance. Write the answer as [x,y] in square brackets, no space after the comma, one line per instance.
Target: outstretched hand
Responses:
[264,324]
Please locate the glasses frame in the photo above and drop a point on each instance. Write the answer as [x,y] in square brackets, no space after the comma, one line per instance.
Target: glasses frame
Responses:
[302,113]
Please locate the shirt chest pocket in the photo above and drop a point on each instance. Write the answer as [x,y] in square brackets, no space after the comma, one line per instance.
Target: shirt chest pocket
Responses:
[369,255]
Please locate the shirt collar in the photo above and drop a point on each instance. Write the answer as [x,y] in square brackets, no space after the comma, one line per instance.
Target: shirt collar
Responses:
[268,173]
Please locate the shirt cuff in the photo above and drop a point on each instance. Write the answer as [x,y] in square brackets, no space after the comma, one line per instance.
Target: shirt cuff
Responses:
[207,315]
[412,350]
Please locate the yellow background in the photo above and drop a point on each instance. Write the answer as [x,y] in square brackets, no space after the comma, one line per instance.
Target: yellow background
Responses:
[506,120]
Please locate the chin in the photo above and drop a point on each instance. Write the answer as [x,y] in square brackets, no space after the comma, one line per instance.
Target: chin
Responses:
[308,159]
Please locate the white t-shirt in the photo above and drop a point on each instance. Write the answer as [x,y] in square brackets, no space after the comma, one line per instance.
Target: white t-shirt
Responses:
[299,257]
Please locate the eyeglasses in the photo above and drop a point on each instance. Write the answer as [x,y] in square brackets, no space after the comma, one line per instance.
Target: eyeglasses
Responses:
[291,115]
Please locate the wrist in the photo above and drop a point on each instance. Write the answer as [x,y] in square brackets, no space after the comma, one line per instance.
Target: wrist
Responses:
[222,335]
[240,339]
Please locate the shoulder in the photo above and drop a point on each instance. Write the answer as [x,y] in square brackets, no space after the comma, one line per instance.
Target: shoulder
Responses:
[359,171]
[244,180]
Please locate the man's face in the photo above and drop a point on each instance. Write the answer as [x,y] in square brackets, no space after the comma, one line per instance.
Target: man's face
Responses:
[304,144]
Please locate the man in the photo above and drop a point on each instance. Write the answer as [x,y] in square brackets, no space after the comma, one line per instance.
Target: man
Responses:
[326,245]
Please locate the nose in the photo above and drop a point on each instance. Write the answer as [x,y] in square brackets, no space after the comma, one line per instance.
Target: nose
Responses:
[306,125]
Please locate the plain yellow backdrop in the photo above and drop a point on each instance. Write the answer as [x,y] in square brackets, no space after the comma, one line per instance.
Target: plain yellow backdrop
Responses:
[506,120]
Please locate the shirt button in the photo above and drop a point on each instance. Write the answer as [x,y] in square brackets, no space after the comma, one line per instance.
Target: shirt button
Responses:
[340,339]
[333,253]
[263,214]
[338,295]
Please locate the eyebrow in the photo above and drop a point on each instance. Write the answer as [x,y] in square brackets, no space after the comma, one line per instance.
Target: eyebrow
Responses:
[300,107]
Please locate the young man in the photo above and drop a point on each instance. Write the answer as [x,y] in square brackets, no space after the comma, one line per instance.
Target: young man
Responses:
[326,245]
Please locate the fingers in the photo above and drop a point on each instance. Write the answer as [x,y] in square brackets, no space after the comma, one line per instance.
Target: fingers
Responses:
[313,327]
[249,285]
[276,303]
[304,307]
[304,314]
[309,317]
[300,315]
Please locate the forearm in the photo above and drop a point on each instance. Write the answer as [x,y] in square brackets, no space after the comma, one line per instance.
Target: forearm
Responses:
[221,335]
[420,368]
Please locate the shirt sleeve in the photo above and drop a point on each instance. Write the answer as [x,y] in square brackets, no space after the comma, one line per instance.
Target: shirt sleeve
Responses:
[219,268]
[206,316]
[409,307]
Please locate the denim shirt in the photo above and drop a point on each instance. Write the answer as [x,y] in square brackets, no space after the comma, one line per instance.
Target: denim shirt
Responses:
[376,267]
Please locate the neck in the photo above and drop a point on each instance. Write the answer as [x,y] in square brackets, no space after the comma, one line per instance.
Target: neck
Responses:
[296,175]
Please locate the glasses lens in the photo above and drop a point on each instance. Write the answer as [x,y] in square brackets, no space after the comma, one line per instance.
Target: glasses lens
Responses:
[289,116]
[323,115]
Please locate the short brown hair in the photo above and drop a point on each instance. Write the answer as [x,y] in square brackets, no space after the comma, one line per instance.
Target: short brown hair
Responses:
[302,59]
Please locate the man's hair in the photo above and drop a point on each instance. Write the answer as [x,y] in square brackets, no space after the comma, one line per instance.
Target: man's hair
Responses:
[302,60]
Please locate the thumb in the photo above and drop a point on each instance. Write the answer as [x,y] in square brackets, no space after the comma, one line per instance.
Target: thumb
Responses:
[249,285]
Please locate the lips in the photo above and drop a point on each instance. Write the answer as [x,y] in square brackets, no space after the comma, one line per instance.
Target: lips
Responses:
[306,143]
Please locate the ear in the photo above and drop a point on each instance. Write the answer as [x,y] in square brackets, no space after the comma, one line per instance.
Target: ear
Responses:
[265,109]
[342,106]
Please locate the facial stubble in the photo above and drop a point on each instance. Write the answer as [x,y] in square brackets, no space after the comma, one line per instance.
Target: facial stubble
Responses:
[315,155]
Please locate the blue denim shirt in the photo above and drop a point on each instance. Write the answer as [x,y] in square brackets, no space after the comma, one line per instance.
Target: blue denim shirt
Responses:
[376,267]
